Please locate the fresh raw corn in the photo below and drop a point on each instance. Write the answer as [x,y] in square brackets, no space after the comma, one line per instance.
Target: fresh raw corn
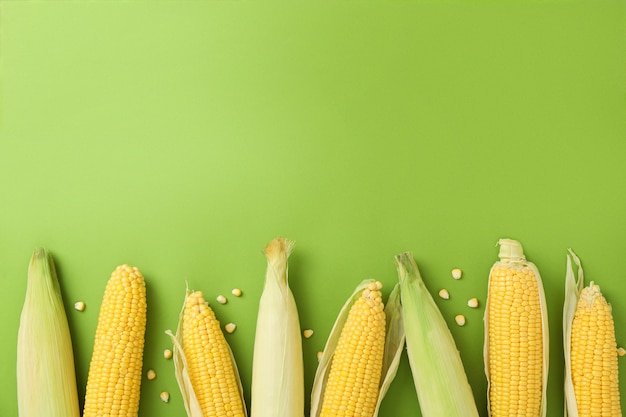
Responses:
[591,369]
[516,336]
[46,380]
[440,380]
[115,373]
[361,356]
[277,365]
[205,367]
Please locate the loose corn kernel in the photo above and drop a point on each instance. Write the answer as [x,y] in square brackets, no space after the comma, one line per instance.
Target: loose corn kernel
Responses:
[457,273]
[230,327]
[79,305]
[444,294]
[165,396]
[167,354]
[472,302]
[221,299]
[460,319]
[150,374]
[621,351]
[236,292]
[307,333]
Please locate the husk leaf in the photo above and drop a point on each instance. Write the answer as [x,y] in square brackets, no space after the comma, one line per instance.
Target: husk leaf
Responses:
[573,287]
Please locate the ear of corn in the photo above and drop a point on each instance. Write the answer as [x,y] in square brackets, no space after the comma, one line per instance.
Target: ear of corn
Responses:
[277,366]
[361,355]
[46,380]
[516,336]
[205,367]
[591,369]
[114,380]
[438,373]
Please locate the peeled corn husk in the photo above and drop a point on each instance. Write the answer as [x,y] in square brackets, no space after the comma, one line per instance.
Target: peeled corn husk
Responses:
[438,373]
[277,365]
[573,287]
[394,343]
[46,379]
[181,369]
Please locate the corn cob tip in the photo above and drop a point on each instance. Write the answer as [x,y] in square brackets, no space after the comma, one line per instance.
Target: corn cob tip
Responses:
[510,250]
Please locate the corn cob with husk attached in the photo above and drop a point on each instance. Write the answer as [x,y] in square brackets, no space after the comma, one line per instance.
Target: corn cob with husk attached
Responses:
[361,355]
[277,365]
[440,380]
[114,379]
[516,336]
[591,369]
[46,380]
[205,367]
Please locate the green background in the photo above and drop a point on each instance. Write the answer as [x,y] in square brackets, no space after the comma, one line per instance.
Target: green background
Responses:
[181,137]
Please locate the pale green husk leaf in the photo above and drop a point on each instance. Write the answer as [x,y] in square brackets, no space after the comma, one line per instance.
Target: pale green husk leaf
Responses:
[46,378]
[573,287]
[438,373]
[181,369]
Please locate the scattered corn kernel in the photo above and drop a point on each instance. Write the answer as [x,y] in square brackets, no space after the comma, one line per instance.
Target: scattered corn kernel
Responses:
[472,302]
[307,333]
[444,294]
[457,273]
[150,374]
[230,327]
[236,292]
[319,356]
[80,306]
[167,354]
[221,299]
[460,319]
[621,351]
[165,396]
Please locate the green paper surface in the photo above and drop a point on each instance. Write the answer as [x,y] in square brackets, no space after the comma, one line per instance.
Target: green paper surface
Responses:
[181,137]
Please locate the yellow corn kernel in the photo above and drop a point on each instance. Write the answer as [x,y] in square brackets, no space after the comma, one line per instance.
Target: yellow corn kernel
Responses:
[353,382]
[594,366]
[516,336]
[114,379]
[209,361]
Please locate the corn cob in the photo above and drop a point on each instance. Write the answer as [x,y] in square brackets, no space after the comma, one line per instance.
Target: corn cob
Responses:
[205,367]
[277,366]
[442,386]
[46,380]
[114,379]
[361,356]
[591,379]
[516,336]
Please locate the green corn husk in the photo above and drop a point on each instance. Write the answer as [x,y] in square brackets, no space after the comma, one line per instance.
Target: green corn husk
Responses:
[46,379]
[438,373]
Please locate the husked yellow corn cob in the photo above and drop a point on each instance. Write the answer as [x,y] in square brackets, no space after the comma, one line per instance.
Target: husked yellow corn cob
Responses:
[516,336]
[209,363]
[354,379]
[594,366]
[114,379]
